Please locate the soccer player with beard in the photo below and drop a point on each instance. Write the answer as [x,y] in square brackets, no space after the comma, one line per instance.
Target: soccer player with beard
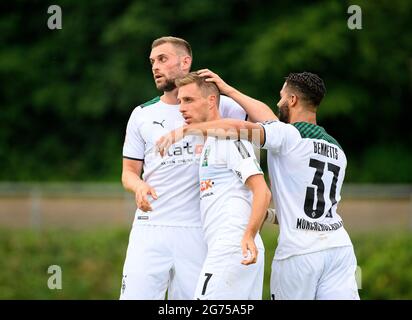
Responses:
[314,258]
[166,247]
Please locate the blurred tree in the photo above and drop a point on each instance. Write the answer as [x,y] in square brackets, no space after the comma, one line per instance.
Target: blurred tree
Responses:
[67,94]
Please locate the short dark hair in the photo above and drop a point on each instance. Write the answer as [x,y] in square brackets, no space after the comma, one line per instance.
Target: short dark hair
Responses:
[310,85]
[177,42]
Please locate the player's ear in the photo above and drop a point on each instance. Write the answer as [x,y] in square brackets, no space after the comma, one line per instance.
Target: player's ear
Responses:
[293,100]
[212,99]
[186,63]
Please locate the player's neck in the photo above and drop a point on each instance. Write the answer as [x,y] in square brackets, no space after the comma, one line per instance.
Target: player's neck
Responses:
[170,97]
[303,116]
[213,115]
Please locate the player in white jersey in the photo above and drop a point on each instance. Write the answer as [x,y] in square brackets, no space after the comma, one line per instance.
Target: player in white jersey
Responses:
[166,247]
[233,202]
[314,258]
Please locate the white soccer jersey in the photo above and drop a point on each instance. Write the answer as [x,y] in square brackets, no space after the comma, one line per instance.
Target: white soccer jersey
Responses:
[175,176]
[306,168]
[225,201]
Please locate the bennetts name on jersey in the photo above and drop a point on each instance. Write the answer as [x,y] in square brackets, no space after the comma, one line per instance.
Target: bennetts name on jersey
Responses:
[325,149]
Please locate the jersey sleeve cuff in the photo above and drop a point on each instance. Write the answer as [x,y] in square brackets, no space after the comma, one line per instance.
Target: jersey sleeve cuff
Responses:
[131,158]
[247,168]
[264,135]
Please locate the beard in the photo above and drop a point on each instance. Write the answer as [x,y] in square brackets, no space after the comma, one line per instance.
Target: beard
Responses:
[283,113]
[169,85]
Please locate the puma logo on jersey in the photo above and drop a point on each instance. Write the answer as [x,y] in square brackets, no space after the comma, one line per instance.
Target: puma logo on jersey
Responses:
[159,123]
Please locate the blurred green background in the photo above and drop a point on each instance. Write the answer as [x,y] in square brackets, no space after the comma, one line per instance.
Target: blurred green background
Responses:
[92,263]
[66,96]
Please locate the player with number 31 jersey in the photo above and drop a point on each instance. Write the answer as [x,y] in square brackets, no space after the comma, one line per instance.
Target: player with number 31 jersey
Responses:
[314,258]
[308,167]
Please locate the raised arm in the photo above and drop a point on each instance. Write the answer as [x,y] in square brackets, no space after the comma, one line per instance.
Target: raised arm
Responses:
[257,110]
[223,128]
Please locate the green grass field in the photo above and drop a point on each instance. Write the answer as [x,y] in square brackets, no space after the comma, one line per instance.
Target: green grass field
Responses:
[92,262]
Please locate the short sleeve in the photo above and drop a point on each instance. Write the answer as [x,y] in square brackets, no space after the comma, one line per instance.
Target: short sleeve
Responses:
[278,136]
[230,109]
[242,159]
[134,145]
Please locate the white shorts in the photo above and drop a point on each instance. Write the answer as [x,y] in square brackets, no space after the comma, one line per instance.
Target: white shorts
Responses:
[223,277]
[324,275]
[161,258]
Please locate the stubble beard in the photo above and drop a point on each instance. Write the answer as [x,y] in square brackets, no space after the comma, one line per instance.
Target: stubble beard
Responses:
[284,113]
[168,86]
